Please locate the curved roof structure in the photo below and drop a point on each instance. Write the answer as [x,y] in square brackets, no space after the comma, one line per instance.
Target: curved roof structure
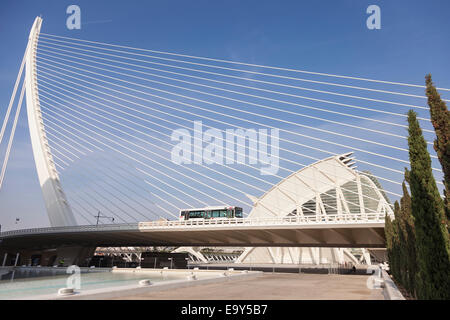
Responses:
[330,186]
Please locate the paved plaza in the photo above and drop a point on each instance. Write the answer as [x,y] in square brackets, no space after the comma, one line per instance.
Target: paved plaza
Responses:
[275,286]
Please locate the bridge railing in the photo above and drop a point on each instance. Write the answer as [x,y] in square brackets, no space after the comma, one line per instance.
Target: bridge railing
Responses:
[83,228]
[292,220]
[323,219]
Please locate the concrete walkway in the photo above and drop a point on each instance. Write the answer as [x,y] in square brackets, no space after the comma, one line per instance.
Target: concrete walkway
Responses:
[276,286]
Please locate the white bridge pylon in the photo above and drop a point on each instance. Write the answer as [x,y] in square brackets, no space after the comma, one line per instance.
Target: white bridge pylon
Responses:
[102,119]
[58,209]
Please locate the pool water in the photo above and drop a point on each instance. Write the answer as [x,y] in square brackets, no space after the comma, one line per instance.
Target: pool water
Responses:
[22,284]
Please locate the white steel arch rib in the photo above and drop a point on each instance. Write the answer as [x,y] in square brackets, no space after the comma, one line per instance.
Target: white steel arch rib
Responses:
[58,209]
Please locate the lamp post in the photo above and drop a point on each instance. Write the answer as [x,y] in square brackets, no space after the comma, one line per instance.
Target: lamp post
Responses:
[187,262]
[99,215]
[171,259]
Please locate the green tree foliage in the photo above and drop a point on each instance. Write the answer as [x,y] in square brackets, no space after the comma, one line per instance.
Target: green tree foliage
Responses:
[400,243]
[429,219]
[440,118]
[391,235]
[408,242]
[393,244]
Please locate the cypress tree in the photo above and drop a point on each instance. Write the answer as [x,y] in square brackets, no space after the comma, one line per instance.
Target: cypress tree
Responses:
[399,246]
[408,239]
[393,244]
[440,118]
[390,234]
[429,217]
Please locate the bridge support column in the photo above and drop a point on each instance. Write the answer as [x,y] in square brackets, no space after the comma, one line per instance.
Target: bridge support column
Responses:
[366,256]
[17,259]
[4,259]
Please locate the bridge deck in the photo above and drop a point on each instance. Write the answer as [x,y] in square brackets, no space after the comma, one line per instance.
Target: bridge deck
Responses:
[334,231]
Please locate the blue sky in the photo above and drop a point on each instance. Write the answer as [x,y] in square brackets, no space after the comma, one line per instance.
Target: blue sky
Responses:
[322,36]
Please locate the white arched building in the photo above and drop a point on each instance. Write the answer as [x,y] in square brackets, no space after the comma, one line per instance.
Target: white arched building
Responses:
[327,187]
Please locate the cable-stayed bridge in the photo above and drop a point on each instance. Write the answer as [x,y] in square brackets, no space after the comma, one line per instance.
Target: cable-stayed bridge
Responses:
[132,135]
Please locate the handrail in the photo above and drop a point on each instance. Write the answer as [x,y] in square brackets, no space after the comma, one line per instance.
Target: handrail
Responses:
[345,218]
[83,228]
